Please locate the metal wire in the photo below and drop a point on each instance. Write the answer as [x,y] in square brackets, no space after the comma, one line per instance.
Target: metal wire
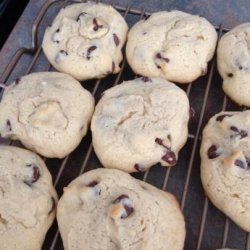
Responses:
[248,242]
[205,208]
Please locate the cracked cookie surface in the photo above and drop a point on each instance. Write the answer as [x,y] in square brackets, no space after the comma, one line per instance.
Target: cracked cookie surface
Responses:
[233,60]
[225,164]
[85,40]
[173,45]
[48,112]
[140,123]
[27,199]
[108,209]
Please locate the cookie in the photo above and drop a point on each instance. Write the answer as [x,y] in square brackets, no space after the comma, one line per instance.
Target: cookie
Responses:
[139,123]
[233,62]
[85,40]
[48,112]
[108,209]
[225,165]
[27,199]
[173,45]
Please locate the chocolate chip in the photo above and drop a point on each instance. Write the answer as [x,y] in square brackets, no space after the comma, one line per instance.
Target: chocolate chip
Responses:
[121,197]
[221,117]
[242,133]
[35,175]
[248,162]
[129,209]
[191,112]
[60,56]
[8,125]
[92,184]
[146,79]
[230,75]
[112,69]
[17,81]
[166,59]
[90,50]
[212,152]
[234,129]
[79,16]
[53,205]
[97,189]
[160,142]
[239,163]
[169,138]
[96,25]
[139,168]
[55,36]
[170,157]
[158,56]
[116,39]
[63,52]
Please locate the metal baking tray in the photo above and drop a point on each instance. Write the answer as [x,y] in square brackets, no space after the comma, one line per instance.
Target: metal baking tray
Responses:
[207,228]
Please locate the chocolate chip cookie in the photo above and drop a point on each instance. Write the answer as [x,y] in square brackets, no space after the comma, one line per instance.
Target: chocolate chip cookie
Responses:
[140,123]
[85,40]
[174,45]
[225,164]
[108,209]
[233,62]
[27,199]
[48,112]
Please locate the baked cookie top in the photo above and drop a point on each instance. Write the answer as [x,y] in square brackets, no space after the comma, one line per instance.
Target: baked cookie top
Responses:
[85,40]
[48,112]
[27,199]
[173,45]
[233,60]
[108,209]
[225,164]
[139,123]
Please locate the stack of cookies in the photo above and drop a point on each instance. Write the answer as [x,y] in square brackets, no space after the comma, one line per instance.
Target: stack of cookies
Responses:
[134,126]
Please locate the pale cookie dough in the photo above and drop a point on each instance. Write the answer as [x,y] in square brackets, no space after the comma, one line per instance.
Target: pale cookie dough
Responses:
[109,210]
[233,60]
[48,112]
[140,123]
[225,164]
[27,199]
[85,40]
[173,45]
